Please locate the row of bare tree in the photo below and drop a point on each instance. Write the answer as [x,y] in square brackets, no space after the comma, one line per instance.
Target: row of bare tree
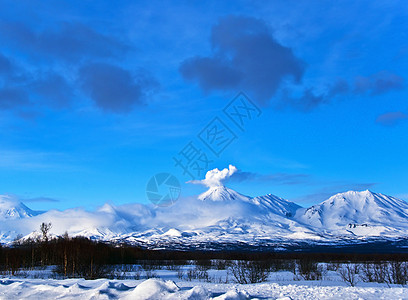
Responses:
[82,257]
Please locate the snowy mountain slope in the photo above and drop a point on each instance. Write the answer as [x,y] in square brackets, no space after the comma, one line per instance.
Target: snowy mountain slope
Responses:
[268,203]
[277,205]
[11,209]
[269,210]
[220,216]
[12,214]
[360,213]
[224,215]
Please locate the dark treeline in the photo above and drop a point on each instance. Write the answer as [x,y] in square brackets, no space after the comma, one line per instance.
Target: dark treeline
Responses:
[72,252]
[50,252]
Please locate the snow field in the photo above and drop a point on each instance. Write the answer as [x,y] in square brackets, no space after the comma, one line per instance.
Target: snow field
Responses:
[280,285]
[155,289]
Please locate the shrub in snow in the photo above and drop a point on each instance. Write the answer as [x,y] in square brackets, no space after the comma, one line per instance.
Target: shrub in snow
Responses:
[198,273]
[245,272]
[309,270]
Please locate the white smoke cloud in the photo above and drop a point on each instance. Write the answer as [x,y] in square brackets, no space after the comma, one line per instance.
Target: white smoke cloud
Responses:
[215,177]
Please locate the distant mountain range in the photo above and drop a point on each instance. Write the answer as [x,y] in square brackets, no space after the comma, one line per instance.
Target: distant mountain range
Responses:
[222,217]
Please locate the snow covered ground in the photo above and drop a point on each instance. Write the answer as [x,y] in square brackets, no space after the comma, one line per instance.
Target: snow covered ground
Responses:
[280,285]
[159,289]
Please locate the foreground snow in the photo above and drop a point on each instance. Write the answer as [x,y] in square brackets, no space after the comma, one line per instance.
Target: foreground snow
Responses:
[11,288]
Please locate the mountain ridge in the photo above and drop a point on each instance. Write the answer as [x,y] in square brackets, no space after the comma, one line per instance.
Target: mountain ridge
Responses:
[225,216]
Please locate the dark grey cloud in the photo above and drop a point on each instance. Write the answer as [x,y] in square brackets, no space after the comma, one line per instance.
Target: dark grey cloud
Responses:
[378,83]
[309,99]
[212,73]
[11,73]
[67,41]
[6,66]
[72,47]
[113,88]
[11,98]
[339,87]
[245,56]
[375,84]
[391,118]
[276,178]
[53,90]
[22,88]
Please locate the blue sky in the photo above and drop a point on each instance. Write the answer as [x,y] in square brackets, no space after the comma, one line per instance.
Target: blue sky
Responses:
[97,97]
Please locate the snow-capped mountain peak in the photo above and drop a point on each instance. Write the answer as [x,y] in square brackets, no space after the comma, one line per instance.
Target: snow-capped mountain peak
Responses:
[364,201]
[261,205]
[356,208]
[222,193]
[10,208]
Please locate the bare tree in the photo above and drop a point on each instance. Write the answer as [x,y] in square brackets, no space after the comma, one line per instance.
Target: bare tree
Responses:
[349,273]
[398,273]
[368,272]
[45,229]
